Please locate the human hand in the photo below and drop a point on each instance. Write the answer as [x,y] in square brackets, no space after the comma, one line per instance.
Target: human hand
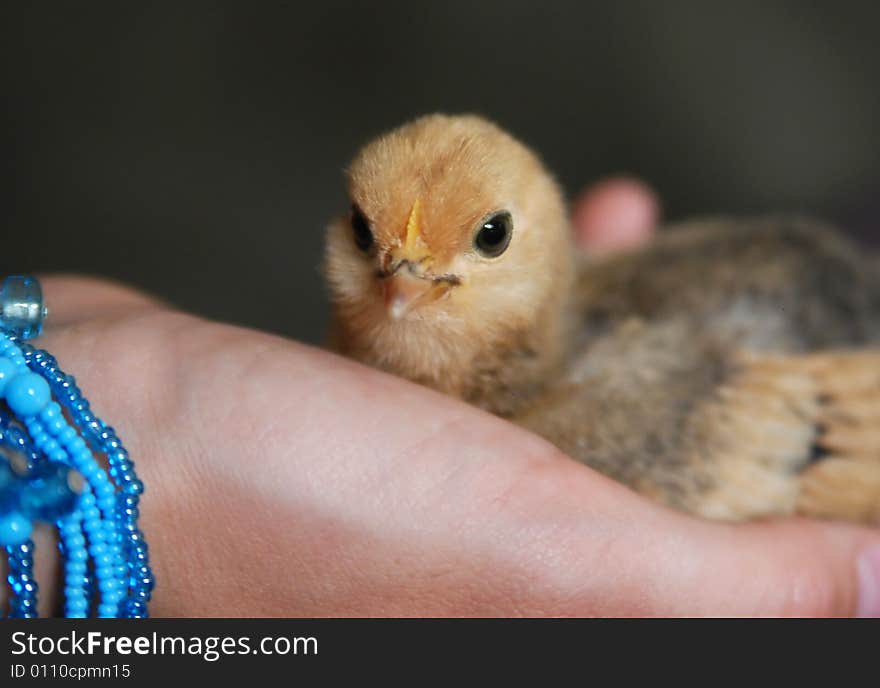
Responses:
[283,480]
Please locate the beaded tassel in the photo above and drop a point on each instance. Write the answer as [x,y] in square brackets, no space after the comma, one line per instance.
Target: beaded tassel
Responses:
[99,523]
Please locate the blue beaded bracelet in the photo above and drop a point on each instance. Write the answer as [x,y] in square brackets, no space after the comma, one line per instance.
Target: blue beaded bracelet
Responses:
[45,420]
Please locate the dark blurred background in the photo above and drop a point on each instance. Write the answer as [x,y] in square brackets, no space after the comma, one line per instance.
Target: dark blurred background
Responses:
[196,150]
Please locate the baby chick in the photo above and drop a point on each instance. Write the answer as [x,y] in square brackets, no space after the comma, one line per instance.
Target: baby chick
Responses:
[730,369]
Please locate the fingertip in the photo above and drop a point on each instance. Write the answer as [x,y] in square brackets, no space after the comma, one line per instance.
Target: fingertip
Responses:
[869,582]
[806,568]
[614,214]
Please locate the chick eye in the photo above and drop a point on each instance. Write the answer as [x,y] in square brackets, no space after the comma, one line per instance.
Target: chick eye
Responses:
[493,236]
[360,228]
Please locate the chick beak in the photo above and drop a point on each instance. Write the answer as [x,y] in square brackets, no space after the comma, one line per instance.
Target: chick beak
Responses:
[403,290]
[406,285]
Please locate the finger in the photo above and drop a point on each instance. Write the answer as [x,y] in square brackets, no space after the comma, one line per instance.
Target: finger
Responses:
[615,214]
[77,298]
[788,568]
[626,556]
[799,568]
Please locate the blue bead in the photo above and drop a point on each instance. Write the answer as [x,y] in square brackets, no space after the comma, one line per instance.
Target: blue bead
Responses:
[108,585]
[39,437]
[134,487]
[70,526]
[52,411]
[48,495]
[21,306]
[137,610]
[27,394]
[77,445]
[101,533]
[8,370]
[73,579]
[66,435]
[15,529]
[78,554]
[53,418]
[76,606]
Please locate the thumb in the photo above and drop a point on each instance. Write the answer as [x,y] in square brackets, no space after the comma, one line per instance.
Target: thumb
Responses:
[784,568]
[611,552]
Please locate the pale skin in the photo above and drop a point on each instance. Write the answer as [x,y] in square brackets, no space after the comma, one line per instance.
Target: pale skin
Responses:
[286,481]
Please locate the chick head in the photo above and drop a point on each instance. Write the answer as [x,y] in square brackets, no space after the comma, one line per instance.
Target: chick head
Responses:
[456,237]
